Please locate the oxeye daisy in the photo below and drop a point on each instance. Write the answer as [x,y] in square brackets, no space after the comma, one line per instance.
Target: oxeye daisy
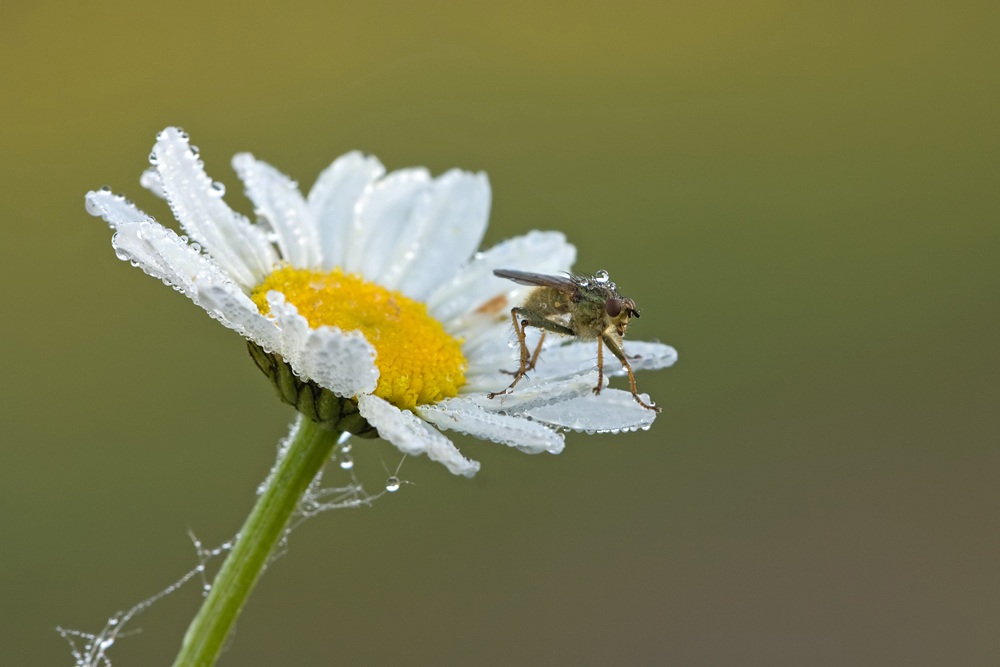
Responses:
[367,304]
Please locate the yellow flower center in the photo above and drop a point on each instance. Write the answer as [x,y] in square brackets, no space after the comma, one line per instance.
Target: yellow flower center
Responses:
[418,362]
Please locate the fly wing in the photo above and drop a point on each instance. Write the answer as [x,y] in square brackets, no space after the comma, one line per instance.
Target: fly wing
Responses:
[560,283]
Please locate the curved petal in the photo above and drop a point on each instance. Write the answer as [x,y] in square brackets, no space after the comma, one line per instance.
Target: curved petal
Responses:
[162,254]
[113,209]
[380,217]
[433,246]
[152,247]
[475,296]
[333,197]
[239,247]
[343,362]
[531,393]
[611,412]
[412,436]
[277,199]
[234,309]
[580,356]
[465,416]
[150,180]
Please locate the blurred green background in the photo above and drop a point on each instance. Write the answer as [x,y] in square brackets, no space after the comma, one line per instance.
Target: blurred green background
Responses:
[802,197]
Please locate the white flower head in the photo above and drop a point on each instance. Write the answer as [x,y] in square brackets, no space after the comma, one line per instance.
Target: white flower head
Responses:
[371,287]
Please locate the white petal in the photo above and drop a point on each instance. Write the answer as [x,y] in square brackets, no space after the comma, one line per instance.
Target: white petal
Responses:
[235,310]
[239,247]
[114,209]
[150,180]
[333,197]
[380,216]
[581,356]
[433,247]
[475,288]
[343,362]
[413,436]
[161,253]
[465,416]
[533,393]
[612,411]
[495,347]
[278,200]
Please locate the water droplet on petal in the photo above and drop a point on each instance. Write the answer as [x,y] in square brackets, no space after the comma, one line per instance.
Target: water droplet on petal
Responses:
[218,189]
[346,462]
[601,276]
[392,484]
[153,159]
[112,621]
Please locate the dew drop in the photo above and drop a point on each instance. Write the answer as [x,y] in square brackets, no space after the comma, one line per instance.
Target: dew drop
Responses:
[346,447]
[346,462]
[392,484]
[218,189]
[105,188]
[153,159]
[112,621]
[601,276]
[121,254]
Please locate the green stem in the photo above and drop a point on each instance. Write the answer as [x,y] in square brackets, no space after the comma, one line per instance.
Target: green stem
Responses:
[308,450]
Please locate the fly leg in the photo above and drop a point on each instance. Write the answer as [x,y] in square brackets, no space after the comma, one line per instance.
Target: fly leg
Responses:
[600,367]
[534,357]
[528,360]
[617,351]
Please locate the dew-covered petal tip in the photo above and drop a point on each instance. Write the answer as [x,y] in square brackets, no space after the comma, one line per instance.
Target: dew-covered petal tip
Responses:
[581,356]
[612,411]
[412,436]
[239,247]
[466,416]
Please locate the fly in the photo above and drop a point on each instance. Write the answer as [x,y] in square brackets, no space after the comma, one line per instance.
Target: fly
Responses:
[585,307]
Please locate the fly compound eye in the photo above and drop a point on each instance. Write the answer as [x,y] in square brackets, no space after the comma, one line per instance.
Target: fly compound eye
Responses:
[613,307]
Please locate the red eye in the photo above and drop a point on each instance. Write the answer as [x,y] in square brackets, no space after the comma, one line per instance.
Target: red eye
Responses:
[613,307]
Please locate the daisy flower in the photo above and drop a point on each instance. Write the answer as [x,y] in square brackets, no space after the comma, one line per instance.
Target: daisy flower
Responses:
[367,303]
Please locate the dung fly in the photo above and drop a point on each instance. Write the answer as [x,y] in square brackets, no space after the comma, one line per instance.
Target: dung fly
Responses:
[585,307]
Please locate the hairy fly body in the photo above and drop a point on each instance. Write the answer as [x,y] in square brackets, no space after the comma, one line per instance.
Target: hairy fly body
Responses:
[585,307]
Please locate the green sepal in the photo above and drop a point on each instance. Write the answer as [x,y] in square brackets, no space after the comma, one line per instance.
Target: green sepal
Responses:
[314,402]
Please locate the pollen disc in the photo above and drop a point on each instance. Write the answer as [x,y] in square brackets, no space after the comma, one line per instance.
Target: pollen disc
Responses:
[418,362]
